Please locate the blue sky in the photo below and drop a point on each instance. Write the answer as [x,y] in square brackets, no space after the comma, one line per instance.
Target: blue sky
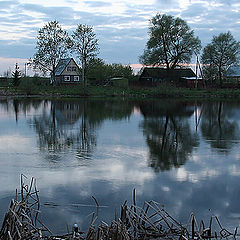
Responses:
[120,25]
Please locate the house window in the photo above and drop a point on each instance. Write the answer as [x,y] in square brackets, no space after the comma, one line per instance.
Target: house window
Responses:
[67,78]
[76,78]
[74,69]
[69,69]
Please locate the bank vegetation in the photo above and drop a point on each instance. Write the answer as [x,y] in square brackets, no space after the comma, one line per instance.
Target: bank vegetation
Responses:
[38,86]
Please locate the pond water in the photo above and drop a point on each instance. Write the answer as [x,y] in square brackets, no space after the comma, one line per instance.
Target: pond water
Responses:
[182,154]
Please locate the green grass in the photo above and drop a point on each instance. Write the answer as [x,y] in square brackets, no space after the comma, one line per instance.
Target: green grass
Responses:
[41,87]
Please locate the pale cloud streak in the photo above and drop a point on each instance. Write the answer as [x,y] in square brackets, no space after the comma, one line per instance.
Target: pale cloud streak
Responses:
[121,26]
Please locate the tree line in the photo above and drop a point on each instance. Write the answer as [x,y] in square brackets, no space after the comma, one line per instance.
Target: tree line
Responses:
[171,43]
[54,43]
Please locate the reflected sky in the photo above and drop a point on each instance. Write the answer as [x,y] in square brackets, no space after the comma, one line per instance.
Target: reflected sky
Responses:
[77,149]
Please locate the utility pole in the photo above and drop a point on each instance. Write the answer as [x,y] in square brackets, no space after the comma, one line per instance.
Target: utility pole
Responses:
[25,70]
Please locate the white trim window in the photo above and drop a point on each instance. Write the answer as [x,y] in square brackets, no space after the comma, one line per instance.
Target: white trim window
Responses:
[76,78]
[67,78]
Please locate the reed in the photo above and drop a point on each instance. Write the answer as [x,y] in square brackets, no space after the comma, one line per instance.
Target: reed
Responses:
[135,223]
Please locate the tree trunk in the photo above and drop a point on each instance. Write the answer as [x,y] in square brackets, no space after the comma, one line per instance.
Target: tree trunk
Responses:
[53,75]
[220,77]
[83,76]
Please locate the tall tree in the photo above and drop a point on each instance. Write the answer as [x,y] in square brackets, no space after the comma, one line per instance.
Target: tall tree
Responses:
[222,52]
[171,42]
[85,46]
[16,76]
[52,45]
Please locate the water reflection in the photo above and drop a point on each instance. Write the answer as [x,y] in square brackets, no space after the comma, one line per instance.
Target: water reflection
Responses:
[74,124]
[220,125]
[168,133]
[78,148]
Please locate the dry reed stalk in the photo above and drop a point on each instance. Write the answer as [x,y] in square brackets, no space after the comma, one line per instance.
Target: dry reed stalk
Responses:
[21,222]
[135,223]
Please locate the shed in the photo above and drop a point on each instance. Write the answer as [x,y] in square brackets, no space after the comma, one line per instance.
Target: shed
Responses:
[159,75]
[67,72]
[233,74]
[191,82]
[119,81]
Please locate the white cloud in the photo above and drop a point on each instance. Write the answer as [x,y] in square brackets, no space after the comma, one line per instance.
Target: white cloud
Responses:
[118,24]
[14,143]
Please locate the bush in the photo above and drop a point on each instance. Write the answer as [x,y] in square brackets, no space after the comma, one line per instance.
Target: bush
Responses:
[40,81]
[30,85]
[27,85]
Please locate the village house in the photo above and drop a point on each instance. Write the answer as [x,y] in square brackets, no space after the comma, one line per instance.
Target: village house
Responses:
[233,74]
[67,72]
[181,76]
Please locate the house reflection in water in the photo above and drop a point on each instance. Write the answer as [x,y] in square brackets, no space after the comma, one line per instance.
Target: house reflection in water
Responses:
[74,123]
[68,112]
[65,127]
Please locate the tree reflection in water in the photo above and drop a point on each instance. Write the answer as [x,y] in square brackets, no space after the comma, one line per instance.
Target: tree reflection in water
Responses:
[20,105]
[168,133]
[63,125]
[74,123]
[219,124]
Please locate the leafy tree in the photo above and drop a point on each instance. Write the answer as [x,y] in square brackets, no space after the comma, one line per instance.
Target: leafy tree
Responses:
[52,45]
[101,71]
[97,69]
[171,42]
[210,73]
[222,52]
[16,76]
[121,70]
[85,45]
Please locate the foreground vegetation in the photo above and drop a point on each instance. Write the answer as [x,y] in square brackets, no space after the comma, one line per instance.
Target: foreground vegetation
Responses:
[152,221]
[36,86]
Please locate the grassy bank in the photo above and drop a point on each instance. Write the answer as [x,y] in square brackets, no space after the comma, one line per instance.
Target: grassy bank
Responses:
[40,87]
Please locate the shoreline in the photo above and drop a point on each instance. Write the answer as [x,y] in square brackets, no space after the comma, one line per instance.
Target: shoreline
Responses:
[171,95]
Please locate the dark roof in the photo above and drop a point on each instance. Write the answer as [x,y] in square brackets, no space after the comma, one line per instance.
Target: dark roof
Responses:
[233,71]
[157,72]
[62,65]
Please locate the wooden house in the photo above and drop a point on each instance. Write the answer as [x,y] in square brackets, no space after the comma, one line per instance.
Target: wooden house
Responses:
[67,72]
[233,74]
[153,75]
[191,82]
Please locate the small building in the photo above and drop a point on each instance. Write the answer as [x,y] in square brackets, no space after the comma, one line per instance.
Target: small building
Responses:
[233,74]
[119,81]
[67,72]
[154,75]
[191,82]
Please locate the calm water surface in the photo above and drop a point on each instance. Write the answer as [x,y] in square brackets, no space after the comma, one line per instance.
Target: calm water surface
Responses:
[184,155]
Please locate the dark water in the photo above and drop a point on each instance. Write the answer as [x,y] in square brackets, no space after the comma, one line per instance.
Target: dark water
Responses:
[182,154]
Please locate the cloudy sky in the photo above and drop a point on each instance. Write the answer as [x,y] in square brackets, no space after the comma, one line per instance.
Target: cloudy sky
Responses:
[120,25]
